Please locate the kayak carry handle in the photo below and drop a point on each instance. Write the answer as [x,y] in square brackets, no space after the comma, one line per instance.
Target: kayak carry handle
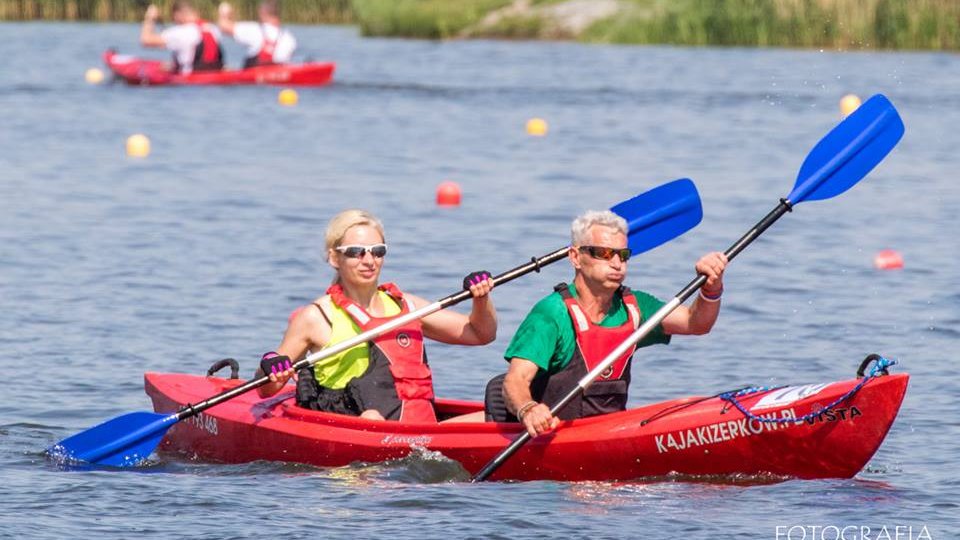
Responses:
[220,364]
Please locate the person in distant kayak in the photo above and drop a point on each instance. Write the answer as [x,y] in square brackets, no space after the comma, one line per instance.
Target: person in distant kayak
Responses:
[194,42]
[388,377]
[267,43]
[573,329]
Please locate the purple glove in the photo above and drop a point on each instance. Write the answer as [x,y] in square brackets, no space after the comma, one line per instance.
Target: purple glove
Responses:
[475,277]
[274,363]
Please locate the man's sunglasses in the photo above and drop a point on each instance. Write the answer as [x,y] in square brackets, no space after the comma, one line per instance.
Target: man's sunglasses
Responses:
[355,251]
[606,253]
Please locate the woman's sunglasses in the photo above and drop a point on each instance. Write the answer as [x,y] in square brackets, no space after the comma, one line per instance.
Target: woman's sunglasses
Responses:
[606,253]
[355,251]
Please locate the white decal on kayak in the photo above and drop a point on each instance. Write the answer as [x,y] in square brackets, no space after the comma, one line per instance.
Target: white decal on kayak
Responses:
[407,440]
[788,395]
[205,423]
[720,432]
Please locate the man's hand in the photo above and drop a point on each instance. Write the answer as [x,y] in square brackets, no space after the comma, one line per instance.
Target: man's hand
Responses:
[712,265]
[538,420]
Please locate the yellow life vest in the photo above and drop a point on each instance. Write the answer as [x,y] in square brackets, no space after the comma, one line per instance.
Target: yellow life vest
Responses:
[335,372]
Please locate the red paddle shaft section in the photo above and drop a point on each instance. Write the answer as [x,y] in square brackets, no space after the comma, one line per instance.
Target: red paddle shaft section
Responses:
[694,436]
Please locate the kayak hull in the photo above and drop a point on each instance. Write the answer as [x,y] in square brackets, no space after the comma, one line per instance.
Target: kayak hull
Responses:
[689,436]
[141,72]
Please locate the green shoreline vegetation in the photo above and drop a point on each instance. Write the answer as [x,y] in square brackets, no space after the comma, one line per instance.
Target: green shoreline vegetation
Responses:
[294,11]
[832,24]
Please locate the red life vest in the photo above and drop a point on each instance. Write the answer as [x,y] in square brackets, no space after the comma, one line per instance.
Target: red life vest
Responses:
[608,393]
[265,56]
[208,56]
[266,50]
[398,382]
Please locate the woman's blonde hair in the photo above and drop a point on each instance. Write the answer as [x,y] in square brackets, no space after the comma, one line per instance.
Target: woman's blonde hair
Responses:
[342,222]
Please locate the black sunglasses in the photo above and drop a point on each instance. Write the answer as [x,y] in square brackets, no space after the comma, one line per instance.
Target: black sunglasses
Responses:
[606,253]
[355,251]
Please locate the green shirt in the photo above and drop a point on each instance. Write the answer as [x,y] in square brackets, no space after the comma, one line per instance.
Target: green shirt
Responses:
[546,336]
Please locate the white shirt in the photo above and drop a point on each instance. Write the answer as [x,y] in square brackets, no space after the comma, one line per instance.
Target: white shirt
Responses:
[183,39]
[251,35]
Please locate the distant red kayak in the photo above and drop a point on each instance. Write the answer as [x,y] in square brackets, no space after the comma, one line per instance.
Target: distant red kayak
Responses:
[690,436]
[138,71]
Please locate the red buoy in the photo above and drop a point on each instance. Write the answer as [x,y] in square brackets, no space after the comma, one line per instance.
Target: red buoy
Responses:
[888,259]
[448,194]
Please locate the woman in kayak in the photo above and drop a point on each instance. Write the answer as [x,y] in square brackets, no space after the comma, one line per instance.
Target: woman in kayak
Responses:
[388,377]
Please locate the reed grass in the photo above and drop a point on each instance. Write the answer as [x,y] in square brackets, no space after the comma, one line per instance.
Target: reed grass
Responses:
[293,11]
[835,24]
[431,19]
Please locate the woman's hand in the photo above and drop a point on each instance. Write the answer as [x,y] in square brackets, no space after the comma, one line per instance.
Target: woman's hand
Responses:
[276,367]
[478,283]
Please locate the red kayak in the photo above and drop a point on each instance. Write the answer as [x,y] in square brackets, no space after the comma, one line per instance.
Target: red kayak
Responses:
[138,71]
[817,435]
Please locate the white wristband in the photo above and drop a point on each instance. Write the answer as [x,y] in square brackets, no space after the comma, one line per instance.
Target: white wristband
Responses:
[711,300]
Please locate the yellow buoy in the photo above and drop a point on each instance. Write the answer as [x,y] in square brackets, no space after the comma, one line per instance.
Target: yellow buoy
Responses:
[288,97]
[94,76]
[537,127]
[848,104]
[138,145]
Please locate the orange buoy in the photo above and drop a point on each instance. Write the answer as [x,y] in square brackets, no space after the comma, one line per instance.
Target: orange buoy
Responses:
[448,194]
[888,259]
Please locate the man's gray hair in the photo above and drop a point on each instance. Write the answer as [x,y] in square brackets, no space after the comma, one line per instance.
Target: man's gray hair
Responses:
[580,229]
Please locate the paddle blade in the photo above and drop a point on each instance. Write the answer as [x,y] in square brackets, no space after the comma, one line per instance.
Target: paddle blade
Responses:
[849,151]
[661,214]
[123,441]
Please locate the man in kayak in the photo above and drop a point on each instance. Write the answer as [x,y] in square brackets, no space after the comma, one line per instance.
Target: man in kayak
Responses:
[387,377]
[194,42]
[572,330]
[267,43]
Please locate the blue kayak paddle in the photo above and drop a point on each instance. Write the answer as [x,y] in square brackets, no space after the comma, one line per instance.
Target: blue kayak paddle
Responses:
[654,217]
[840,160]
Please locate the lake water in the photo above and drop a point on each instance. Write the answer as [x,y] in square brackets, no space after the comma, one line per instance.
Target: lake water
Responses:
[113,266]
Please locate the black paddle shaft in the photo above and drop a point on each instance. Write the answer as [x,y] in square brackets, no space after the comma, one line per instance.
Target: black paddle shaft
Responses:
[681,297]
[739,245]
[534,265]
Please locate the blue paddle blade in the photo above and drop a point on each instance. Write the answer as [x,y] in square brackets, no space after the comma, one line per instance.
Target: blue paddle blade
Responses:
[661,214]
[849,151]
[123,441]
